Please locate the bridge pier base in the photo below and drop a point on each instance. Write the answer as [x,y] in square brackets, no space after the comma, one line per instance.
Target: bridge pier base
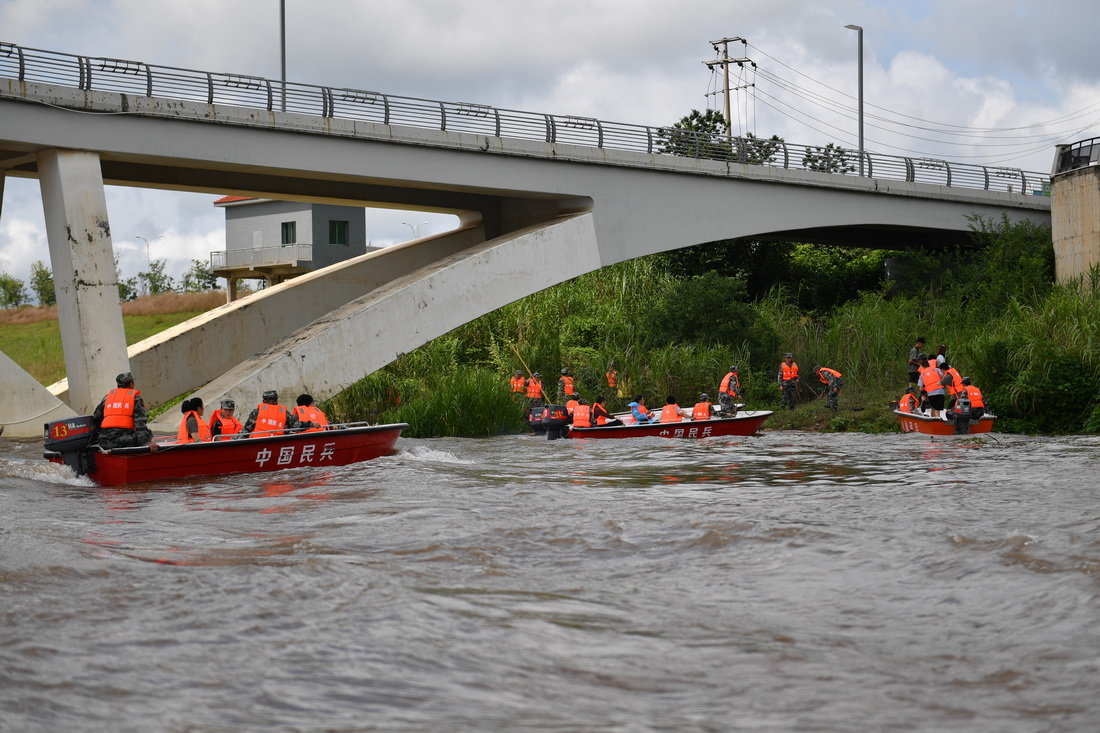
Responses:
[1075,222]
[85,280]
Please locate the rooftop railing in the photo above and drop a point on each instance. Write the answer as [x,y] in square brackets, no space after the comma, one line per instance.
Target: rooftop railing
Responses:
[135,77]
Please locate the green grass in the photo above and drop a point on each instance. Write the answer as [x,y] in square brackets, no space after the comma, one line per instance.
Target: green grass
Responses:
[37,346]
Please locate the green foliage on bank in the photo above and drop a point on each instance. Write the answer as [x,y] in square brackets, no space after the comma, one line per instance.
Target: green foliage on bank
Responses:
[673,323]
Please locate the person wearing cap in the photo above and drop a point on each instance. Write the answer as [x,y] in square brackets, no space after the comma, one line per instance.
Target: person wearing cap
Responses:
[534,390]
[972,395]
[193,429]
[581,414]
[834,382]
[788,382]
[703,409]
[271,418]
[567,388]
[729,392]
[223,421]
[306,411]
[518,383]
[120,420]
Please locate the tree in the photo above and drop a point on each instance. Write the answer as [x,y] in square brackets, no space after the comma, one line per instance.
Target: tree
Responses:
[127,288]
[698,135]
[12,291]
[199,278]
[829,159]
[156,281]
[759,151]
[42,283]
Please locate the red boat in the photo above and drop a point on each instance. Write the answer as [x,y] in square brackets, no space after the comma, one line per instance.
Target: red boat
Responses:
[69,442]
[917,422]
[744,423]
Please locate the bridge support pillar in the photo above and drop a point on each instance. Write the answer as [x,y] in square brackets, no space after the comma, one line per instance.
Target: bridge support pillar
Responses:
[1075,222]
[84,275]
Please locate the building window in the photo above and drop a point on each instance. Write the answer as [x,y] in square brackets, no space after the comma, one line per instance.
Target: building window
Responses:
[290,232]
[338,232]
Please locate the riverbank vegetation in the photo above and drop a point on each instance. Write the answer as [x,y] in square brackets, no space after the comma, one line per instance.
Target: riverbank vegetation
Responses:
[673,323]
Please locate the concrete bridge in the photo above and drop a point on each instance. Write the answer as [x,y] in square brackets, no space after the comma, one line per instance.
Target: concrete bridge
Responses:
[541,200]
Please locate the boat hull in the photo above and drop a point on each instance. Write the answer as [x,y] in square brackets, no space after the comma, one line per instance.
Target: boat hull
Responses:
[744,423]
[252,455]
[917,423]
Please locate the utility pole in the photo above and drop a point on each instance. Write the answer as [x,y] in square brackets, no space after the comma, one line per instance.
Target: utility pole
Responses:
[725,62]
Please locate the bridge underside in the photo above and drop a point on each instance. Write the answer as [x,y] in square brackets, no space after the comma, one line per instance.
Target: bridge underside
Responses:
[532,216]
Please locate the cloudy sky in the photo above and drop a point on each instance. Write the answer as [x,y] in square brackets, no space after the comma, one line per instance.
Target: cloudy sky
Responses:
[995,82]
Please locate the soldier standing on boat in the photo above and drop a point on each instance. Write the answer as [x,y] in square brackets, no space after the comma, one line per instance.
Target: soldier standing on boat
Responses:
[120,419]
[729,392]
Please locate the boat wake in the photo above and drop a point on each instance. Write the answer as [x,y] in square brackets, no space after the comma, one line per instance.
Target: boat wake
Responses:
[424,453]
[50,473]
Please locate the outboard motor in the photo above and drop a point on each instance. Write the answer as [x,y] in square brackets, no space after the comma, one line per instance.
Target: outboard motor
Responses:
[961,413]
[554,418]
[534,419]
[72,439]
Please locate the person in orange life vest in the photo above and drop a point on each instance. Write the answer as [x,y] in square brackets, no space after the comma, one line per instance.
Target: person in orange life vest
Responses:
[193,429]
[582,414]
[571,404]
[306,411]
[729,392]
[788,382]
[566,386]
[271,418]
[638,410]
[612,377]
[119,419]
[703,409]
[518,384]
[952,382]
[603,417]
[534,390]
[908,401]
[974,396]
[833,381]
[930,377]
[223,421]
[672,412]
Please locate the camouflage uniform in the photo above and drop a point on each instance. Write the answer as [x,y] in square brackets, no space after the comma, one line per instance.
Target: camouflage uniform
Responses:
[123,437]
[833,384]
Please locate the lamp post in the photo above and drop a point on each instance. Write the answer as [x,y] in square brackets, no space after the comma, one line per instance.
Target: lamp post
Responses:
[415,229]
[859,31]
[148,257]
[282,48]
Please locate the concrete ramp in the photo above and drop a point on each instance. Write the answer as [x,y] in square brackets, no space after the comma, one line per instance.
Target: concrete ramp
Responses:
[185,357]
[27,405]
[364,335]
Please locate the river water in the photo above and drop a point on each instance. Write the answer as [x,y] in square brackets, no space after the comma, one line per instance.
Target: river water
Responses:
[783,582]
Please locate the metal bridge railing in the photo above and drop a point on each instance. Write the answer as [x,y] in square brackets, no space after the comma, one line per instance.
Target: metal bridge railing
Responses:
[1078,155]
[135,77]
[286,254]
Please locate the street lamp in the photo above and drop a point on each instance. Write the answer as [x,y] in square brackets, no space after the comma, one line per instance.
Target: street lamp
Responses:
[415,229]
[859,31]
[148,257]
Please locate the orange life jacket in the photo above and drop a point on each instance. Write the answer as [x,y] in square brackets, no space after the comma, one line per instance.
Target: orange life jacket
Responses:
[203,429]
[671,413]
[582,416]
[612,378]
[571,405]
[974,395]
[270,420]
[956,381]
[907,402]
[788,371]
[517,384]
[701,411]
[601,414]
[313,415]
[731,384]
[930,378]
[230,425]
[567,387]
[118,408]
[534,388]
[834,372]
